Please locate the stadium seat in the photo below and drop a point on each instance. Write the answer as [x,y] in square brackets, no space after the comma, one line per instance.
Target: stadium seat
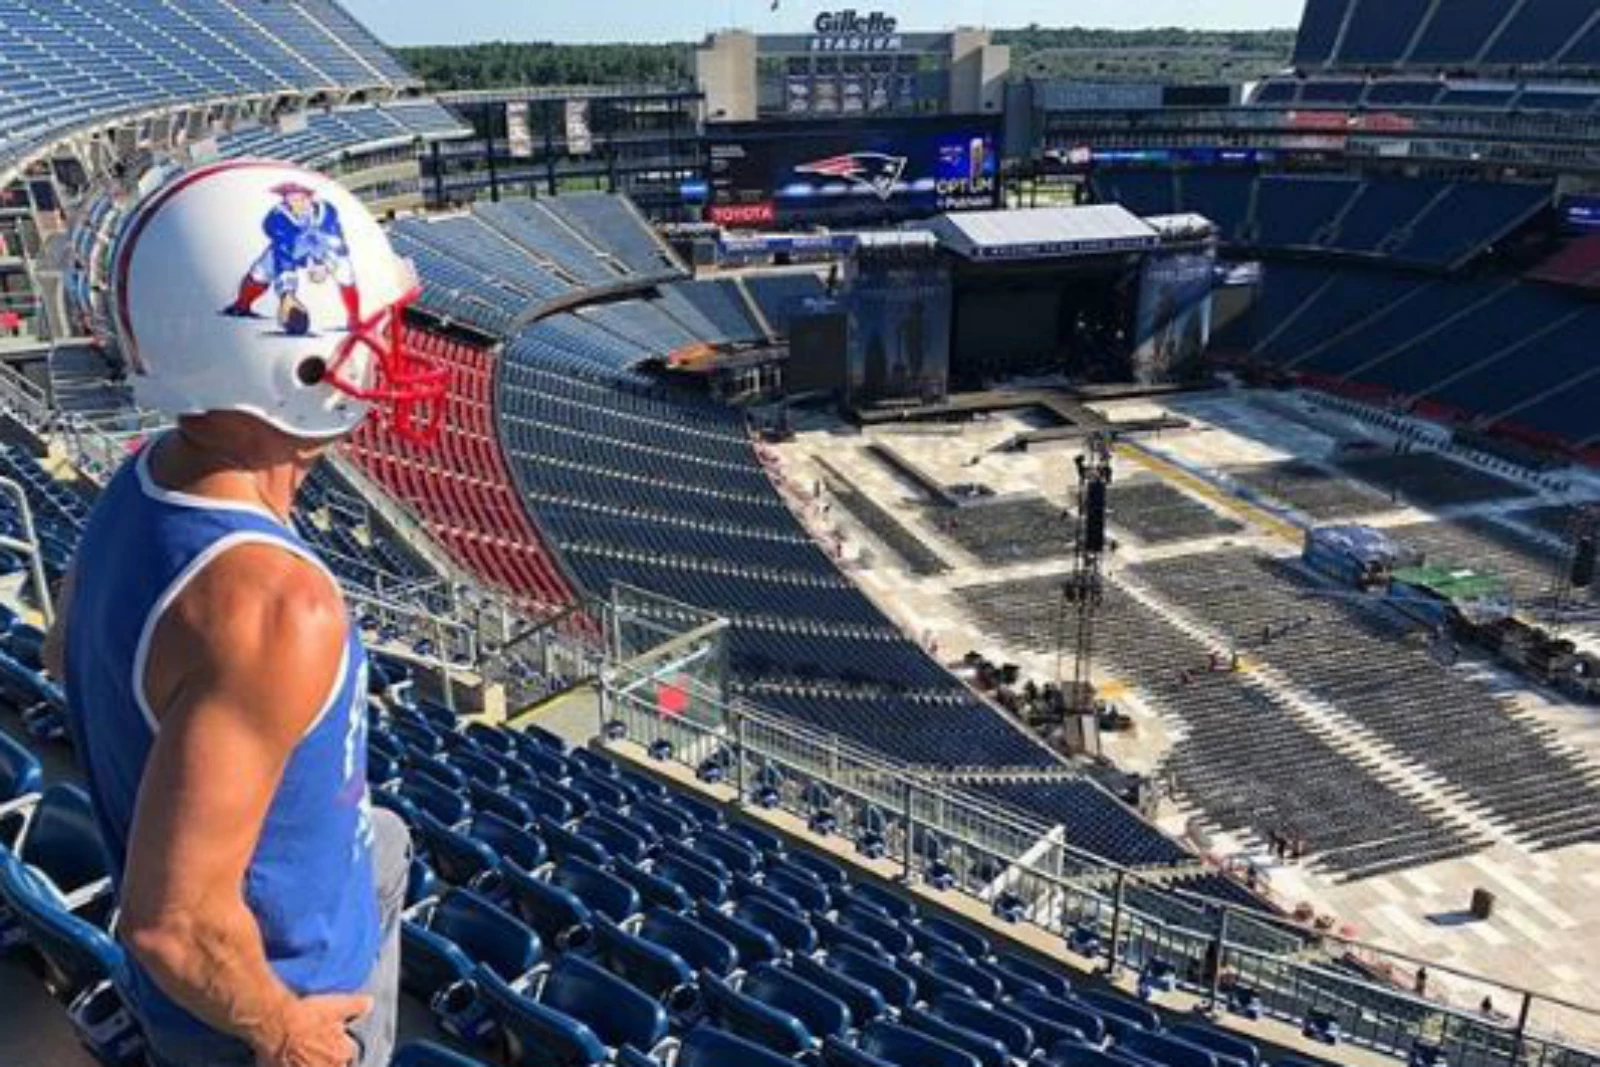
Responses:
[1229,1049]
[973,945]
[563,843]
[653,889]
[1166,1049]
[21,775]
[702,948]
[1022,971]
[510,840]
[705,1046]
[60,840]
[619,1013]
[754,944]
[822,1013]
[602,893]
[559,917]
[908,1048]
[897,989]
[1080,1016]
[533,1035]
[753,1020]
[987,1050]
[428,1054]
[790,930]
[1121,1015]
[979,1018]
[652,968]
[865,1002]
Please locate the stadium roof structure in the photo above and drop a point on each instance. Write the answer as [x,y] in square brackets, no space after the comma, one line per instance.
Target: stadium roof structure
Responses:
[1045,233]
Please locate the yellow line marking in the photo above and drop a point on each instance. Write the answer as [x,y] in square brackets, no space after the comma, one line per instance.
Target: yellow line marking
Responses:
[1200,487]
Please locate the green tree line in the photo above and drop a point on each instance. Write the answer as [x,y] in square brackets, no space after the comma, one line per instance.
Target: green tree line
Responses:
[1168,54]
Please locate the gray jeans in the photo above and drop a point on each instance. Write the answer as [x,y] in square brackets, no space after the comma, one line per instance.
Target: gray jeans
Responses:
[374,1033]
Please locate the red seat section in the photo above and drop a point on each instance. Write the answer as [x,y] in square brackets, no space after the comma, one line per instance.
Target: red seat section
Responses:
[461,488]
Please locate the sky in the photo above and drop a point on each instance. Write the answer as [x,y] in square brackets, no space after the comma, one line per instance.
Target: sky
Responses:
[403,22]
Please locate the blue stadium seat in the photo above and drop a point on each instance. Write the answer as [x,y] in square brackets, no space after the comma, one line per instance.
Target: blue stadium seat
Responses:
[749,1018]
[653,889]
[455,856]
[511,840]
[1167,1049]
[701,947]
[699,880]
[1051,982]
[884,931]
[1083,1017]
[21,774]
[754,944]
[822,1013]
[618,1012]
[790,930]
[559,917]
[1230,1049]
[706,1046]
[563,843]
[534,1035]
[908,1048]
[653,968]
[897,989]
[987,1050]
[1120,1013]
[972,944]
[429,1054]
[602,893]
[799,885]
[864,1001]
[979,1018]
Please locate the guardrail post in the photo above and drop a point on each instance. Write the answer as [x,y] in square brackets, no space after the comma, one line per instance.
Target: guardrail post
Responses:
[738,753]
[1116,925]
[1214,963]
[442,650]
[1522,1029]
[910,823]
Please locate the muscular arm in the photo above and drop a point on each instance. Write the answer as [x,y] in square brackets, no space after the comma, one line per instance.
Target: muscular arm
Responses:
[239,666]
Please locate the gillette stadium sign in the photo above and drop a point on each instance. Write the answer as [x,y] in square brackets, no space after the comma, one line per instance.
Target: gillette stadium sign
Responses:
[852,31]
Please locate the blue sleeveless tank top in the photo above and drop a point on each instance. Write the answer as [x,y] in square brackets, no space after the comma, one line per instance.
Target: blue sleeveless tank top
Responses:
[310,881]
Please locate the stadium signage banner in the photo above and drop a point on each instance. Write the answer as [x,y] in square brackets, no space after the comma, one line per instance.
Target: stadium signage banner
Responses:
[853,173]
[852,31]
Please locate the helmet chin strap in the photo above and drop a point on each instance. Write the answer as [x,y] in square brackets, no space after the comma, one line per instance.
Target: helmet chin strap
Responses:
[408,390]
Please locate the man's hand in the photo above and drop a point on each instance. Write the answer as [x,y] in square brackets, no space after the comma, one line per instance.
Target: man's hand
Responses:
[314,1032]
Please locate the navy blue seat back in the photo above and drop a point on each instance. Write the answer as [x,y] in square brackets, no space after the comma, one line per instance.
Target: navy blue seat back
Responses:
[1083,1018]
[430,963]
[63,840]
[488,934]
[556,914]
[791,931]
[987,1050]
[962,970]
[973,1015]
[20,772]
[599,890]
[708,1047]
[701,948]
[543,801]
[457,857]
[755,945]
[865,1002]
[428,1054]
[751,1019]
[972,943]
[796,882]
[896,988]
[699,880]
[1166,1049]
[563,843]
[510,840]
[908,1048]
[619,1013]
[77,954]
[930,983]
[1120,1011]
[886,932]
[1052,982]
[616,839]
[822,1013]
[653,889]
[1226,1046]
[534,1035]
[655,969]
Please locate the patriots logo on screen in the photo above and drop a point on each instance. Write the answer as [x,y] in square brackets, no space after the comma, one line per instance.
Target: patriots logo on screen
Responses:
[870,170]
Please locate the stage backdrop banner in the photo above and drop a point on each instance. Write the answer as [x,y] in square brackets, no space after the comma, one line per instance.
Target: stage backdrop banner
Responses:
[1174,319]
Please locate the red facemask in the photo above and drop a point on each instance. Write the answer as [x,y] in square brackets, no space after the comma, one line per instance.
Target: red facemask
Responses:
[408,391]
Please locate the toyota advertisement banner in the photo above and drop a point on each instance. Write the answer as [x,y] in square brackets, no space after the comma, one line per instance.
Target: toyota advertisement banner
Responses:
[852,173]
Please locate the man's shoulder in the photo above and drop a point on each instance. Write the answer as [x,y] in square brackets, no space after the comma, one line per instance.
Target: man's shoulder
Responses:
[263,586]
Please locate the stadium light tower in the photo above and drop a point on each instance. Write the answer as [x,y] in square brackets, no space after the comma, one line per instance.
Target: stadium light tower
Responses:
[1082,595]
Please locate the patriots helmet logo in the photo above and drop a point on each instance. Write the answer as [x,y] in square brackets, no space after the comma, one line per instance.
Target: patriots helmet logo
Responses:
[870,170]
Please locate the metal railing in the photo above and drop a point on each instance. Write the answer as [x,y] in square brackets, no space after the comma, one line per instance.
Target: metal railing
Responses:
[1023,867]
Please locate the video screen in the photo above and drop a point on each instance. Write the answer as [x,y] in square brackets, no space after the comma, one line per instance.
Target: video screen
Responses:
[845,173]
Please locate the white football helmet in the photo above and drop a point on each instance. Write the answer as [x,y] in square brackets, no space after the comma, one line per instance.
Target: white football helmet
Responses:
[260,287]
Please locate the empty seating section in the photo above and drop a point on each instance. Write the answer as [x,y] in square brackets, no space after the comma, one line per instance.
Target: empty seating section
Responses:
[722,303]
[1442,343]
[1469,216]
[531,224]
[67,63]
[643,324]
[779,295]
[1438,720]
[1277,777]
[1382,31]
[1293,211]
[1221,196]
[329,134]
[1459,38]
[1428,222]
[612,222]
[1381,209]
[1093,820]
[1422,34]
[461,488]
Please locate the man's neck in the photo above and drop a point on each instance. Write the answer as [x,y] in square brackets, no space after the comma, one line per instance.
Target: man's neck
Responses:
[210,470]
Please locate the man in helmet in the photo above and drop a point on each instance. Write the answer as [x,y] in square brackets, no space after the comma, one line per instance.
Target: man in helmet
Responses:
[217,687]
